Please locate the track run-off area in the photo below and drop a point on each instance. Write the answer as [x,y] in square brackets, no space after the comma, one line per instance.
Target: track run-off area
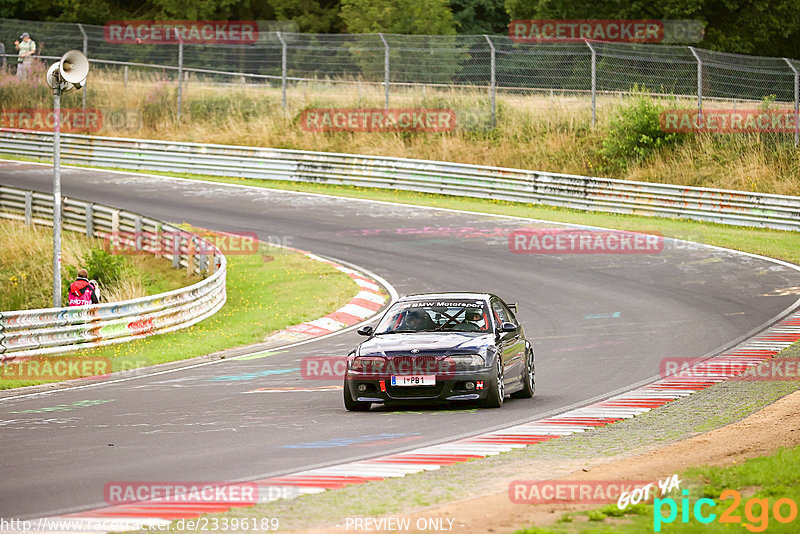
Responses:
[600,324]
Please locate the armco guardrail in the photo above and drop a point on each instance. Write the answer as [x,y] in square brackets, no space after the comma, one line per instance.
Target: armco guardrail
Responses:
[29,333]
[581,192]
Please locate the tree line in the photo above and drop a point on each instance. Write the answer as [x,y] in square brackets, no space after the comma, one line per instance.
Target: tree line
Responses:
[762,27]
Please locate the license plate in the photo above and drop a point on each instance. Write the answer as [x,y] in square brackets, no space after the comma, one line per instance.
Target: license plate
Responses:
[414,380]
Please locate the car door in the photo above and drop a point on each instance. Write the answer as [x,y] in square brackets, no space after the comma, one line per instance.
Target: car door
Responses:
[511,345]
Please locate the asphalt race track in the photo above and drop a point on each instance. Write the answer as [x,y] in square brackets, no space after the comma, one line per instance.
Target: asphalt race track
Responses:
[599,322]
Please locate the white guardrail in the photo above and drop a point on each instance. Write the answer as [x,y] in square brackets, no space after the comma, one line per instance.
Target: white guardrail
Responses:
[580,192]
[29,333]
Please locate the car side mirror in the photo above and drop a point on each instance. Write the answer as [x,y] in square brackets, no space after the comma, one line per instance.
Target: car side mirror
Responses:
[365,330]
[508,327]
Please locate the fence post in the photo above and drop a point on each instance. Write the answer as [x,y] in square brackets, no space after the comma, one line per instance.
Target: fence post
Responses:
[85,53]
[699,80]
[125,77]
[493,86]
[594,81]
[180,76]
[89,220]
[796,103]
[386,68]
[28,208]
[283,70]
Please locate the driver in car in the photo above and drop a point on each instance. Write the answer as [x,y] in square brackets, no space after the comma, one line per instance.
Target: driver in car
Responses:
[471,322]
[418,320]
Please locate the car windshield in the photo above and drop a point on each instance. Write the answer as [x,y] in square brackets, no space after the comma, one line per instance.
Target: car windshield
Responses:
[436,316]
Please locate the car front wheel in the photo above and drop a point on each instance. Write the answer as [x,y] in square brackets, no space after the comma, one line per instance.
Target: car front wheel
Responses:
[528,378]
[497,388]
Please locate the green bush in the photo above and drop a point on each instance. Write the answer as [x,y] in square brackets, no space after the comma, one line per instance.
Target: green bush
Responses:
[105,267]
[635,134]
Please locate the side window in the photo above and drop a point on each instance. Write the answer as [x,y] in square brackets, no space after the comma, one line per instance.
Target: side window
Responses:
[500,312]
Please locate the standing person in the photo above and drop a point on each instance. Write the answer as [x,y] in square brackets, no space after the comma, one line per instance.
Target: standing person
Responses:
[83,292]
[27,48]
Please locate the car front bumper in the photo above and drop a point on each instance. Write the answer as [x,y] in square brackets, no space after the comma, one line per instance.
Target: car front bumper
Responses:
[449,388]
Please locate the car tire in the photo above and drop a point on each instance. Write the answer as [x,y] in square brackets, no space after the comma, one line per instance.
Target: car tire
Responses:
[528,378]
[354,405]
[496,391]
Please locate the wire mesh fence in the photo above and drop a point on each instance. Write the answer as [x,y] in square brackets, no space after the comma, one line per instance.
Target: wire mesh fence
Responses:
[393,63]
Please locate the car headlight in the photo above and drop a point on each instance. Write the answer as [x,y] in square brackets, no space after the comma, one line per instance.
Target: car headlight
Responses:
[468,361]
[368,364]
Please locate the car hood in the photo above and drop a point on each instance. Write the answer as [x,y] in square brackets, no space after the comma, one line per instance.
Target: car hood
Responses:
[428,343]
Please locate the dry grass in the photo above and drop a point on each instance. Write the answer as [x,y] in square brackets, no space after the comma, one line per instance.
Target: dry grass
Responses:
[26,268]
[534,131]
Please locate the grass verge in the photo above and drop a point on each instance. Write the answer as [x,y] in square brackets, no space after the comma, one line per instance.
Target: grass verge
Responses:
[532,131]
[267,292]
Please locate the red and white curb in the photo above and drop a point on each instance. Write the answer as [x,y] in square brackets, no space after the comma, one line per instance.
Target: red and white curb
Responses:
[362,306]
[747,355]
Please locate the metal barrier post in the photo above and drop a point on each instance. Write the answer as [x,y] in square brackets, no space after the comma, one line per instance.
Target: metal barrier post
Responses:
[283,70]
[137,233]
[492,87]
[176,250]
[386,68]
[85,53]
[796,103]
[699,80]
[594,82]
[28,208]
[89,220]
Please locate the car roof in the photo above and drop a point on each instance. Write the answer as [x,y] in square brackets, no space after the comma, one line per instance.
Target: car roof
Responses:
[450,295]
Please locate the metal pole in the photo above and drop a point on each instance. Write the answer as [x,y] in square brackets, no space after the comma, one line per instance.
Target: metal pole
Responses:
[85,53]
[492,88]
[57,197]
[386,68]
[796,103]
[283,70]
[699,80]
[594,82]
[180,76]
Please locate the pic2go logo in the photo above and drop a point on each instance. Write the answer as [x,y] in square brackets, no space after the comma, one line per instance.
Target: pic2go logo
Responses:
[756,511]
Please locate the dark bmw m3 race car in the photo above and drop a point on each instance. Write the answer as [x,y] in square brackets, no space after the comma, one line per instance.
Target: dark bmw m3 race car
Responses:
[442,347]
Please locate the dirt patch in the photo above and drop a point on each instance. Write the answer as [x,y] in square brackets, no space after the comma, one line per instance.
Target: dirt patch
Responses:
[760,434]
